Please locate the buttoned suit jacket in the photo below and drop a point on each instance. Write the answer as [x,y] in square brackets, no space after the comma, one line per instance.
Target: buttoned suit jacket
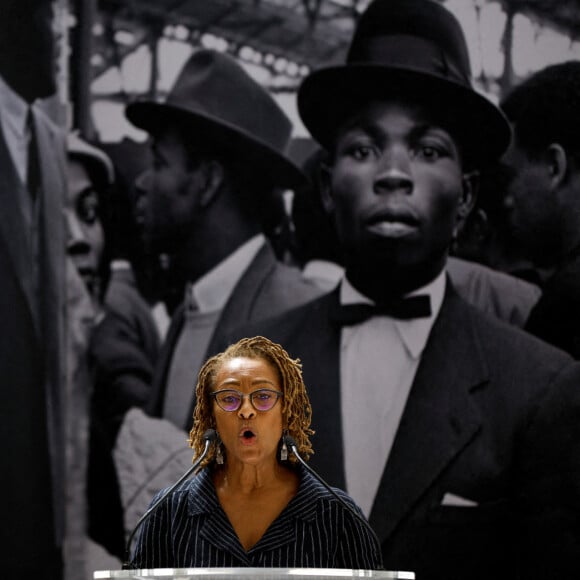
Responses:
[266,289]
[31,362]
[482,479]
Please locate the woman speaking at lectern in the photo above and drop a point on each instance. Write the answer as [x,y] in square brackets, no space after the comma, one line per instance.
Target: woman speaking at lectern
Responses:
[253,502]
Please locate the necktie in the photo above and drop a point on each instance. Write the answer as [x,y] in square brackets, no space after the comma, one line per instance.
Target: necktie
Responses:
[33,169]
[401,308]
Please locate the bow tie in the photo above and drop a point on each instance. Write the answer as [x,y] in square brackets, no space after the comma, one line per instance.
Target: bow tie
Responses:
[401,308]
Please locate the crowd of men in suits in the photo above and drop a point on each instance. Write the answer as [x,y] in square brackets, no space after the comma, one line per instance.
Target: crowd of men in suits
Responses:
[456,431]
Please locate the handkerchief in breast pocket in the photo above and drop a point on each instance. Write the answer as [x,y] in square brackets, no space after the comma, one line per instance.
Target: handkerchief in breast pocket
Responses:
[450,499]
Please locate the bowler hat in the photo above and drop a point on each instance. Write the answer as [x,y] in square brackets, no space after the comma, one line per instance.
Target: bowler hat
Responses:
[409,47]
[222,106]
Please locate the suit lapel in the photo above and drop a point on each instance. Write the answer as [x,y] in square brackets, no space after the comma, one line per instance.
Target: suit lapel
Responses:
[52,243]
[51,286]
[317,341]
[12,225]
[238,308]
[439,419]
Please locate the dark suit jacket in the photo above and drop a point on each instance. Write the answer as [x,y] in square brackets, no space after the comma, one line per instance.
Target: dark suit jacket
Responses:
[556,316]
[31,370]
[493,416]
[266,289]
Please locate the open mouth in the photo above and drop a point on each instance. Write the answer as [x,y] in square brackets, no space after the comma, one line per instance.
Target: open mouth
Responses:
[89,275]
[83,265]
[247,436]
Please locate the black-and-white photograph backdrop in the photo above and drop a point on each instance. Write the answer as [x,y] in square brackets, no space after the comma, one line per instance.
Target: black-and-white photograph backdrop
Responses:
[176,175]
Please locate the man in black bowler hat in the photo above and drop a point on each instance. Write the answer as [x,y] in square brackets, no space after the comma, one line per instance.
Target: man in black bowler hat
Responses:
[456,434]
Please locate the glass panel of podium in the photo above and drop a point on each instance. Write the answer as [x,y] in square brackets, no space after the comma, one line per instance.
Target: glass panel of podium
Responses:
[248,574]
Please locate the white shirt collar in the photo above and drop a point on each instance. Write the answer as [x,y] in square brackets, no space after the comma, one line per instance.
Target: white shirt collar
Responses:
[213,289]
[414,332]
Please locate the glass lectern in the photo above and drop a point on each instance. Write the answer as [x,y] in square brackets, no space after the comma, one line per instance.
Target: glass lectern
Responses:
[247,574]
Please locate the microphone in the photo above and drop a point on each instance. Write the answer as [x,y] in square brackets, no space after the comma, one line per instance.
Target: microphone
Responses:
[291,444]
[209,437]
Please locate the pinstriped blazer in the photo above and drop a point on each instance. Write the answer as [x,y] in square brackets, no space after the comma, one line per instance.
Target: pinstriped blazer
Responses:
[190,529]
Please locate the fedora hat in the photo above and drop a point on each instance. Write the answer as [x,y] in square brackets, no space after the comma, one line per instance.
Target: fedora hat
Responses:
[409,47]
[222,105]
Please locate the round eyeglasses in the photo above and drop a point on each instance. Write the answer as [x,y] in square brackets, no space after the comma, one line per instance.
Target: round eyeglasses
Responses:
[231,400]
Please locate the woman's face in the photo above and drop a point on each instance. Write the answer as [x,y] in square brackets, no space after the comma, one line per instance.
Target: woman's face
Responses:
[249,435]
[86,238]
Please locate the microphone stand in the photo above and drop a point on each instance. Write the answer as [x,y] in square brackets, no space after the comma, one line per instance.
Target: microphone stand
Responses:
[289,440]
[209,436]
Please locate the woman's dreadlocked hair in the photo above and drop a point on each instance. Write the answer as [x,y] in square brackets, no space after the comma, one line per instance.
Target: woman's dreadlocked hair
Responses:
[296,409]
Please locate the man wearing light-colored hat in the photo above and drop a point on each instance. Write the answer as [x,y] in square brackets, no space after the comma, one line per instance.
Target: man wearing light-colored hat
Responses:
[219,147]
[457,435]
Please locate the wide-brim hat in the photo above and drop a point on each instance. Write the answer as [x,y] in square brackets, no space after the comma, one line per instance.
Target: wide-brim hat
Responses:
[406,47]
[222,106]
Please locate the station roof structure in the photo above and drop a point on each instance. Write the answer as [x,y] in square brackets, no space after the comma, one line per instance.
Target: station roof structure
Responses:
[306,33]
[284,38]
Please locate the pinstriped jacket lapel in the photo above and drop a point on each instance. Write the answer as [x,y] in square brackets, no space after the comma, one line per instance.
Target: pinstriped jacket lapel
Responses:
[218,531]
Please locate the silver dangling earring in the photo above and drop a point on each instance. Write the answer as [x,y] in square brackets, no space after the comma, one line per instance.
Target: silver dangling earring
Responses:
[219,458]
[284,448]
